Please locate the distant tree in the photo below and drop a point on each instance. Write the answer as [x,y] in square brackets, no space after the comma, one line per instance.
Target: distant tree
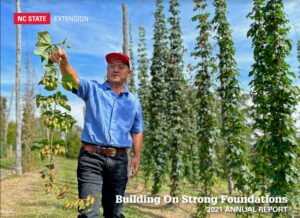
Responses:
[41,130]
[233,121]
[3,113]
[11,134]
[157,100]
[10,107]
[73,142]
[29,121]
[131,82]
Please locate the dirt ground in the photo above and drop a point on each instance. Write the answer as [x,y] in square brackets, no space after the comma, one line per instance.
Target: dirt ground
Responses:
[164,210]
[5,173]
[17,190]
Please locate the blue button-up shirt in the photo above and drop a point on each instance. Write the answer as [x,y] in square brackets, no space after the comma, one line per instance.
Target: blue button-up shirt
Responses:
[110,118]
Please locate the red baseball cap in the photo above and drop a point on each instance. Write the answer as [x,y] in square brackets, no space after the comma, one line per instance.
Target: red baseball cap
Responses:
[119,55]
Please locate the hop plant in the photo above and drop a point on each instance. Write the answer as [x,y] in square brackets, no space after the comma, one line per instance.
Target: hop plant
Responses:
[55,119]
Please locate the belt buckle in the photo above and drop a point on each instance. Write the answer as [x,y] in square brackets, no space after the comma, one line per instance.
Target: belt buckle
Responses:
[111,152]
[98,149]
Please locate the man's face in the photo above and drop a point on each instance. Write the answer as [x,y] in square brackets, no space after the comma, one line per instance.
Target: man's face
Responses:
[117,71]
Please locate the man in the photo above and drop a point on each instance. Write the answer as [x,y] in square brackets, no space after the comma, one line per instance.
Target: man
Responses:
[113,122]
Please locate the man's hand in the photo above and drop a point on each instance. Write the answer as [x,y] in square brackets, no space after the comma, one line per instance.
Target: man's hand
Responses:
[137,139]
[59,56]
[134,166]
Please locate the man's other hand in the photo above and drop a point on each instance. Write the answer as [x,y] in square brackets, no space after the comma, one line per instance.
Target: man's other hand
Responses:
[134,166]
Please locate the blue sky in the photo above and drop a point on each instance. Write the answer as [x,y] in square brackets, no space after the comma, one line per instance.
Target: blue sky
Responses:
[102,34]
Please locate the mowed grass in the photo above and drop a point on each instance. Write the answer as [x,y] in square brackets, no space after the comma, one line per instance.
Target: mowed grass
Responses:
[8,162]
[34,202]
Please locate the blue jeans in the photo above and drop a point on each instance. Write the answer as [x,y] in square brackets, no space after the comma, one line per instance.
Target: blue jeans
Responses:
[97,174]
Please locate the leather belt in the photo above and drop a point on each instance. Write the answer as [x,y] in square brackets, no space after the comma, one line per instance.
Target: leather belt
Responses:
[107,151]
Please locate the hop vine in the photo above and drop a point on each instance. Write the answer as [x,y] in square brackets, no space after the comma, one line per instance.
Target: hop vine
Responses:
[56,117]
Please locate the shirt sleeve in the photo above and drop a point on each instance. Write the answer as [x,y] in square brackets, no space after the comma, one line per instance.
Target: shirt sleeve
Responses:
[83,90]
[138,123]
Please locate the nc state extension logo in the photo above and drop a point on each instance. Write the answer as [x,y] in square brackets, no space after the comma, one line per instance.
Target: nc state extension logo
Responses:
[31,18]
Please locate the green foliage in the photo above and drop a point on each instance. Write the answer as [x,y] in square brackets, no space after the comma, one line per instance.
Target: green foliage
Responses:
[53,118]
[3,113]
[276,147]
[143,93]
[45,50]
[11,134]
[68,83]
[259,85]
[207,131]
[190,159]
[37,145]
[143,76]
[73,142]
[233,122]
[298,51]
[157,99]
[7,162]
[175,94]
[56,121]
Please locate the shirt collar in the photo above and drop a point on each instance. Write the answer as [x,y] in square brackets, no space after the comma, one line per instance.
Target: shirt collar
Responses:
[107,86]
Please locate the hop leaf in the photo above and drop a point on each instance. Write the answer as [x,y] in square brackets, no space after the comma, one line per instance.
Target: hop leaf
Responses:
[62,192]
[67,81]
[43,38]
